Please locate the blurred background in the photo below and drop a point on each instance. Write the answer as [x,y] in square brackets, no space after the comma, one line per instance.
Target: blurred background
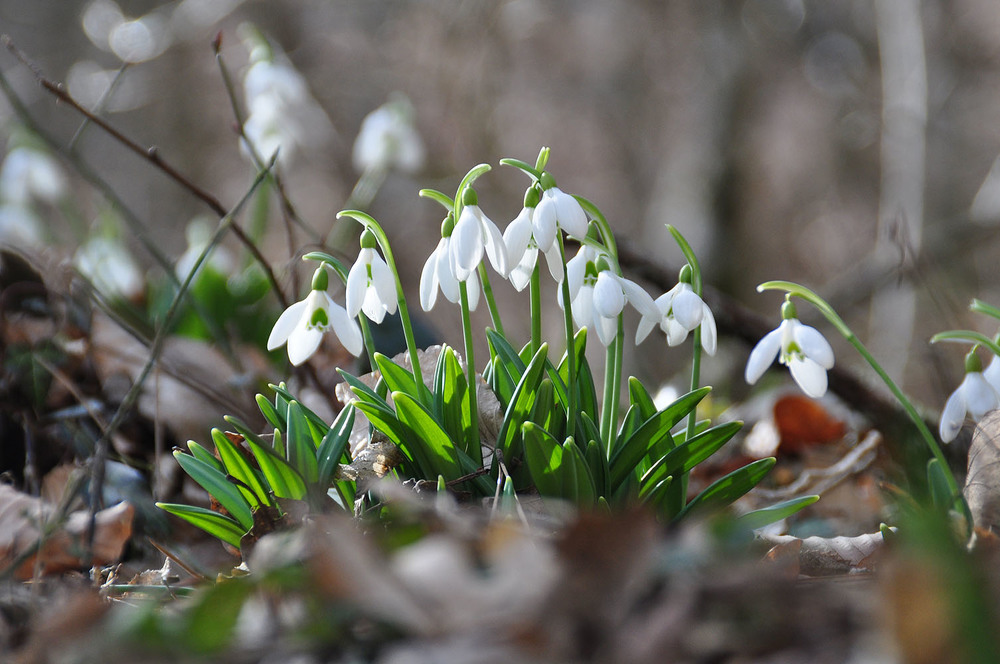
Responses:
[848,146]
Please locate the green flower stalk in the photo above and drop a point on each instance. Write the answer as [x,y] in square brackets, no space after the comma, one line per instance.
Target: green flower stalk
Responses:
[795,290]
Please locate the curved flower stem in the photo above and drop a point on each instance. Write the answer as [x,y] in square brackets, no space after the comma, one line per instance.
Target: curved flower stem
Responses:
[490,300]
[369,222]
[570,346]
[981,307]
[470,362]
[967,336]
[835,320]
[535,293]
[615,351]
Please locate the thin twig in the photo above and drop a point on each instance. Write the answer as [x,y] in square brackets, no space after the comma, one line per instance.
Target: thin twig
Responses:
[152,155]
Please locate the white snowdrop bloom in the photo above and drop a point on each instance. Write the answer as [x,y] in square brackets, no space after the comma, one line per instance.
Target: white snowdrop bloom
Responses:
[437,275]
[198,235]
[301,325]
[110,267]
[283,116]
[992,373]
[523,247]
[371,286]
[388,139]
[974,397]
[600,300]
[801,348]
[475,234]
[29,175]
[19,225]
[678,312]
[557,209]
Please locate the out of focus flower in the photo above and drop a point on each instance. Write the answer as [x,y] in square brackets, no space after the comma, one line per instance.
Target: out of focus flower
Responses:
[388,139]
[29,175]
[109,266]
[283,116]
[198,234]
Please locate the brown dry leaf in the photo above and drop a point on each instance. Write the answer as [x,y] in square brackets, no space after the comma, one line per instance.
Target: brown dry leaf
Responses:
[802,422]
[825,556]
[982,481]
[23,519]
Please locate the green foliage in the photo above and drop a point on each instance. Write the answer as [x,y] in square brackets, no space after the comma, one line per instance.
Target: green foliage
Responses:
[300,465]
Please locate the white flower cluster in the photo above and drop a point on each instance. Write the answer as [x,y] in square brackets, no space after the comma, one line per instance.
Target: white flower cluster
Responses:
[597,292]
[28,177]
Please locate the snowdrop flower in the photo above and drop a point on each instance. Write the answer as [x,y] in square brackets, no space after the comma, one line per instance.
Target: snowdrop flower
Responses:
[557,209]
[370,285]
[802,348]
[29,175]
[198,235]
[992,373]
[302,324]
[109,266]
[388,139]
[475,234]
[975,397]
[601,297]
[437,274]
[522,247]
[283,116]
[678,312]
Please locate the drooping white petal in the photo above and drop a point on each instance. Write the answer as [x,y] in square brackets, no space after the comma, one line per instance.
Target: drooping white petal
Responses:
[676,333]
[687,307]
[446,277]
[346,329]
[373,307]
[576,270]
[583,306]
[428,278]
[609,299]
[517,237]
[953,415]
[607,328]
[992,373]
[302,343]
[357,282]
[637,296]
[520,274]
[569,214]
[810,376]
[648,321]
[762,355]
[286,322]
[709,334]
[980,397]
[814,345]
[472,291]
[467,244]
[496,249]
[544,222]
[384,284]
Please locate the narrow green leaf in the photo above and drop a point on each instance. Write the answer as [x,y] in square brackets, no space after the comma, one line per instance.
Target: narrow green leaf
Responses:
[585,491]
[218,486]
[626,458]
[332,448]
[509,438]
[255,492]
[361,390]
[269,412]
[217,525]
[544,456]
[436,442]
[768,515]
[598,464]
[316,423]
[543,411]
[285,481]
[941,496]
[202,453]
[301,449]
[639,397]
[690,453]
[725,490]
[397,378]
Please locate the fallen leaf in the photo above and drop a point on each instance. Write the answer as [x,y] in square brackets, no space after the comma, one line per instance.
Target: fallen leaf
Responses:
[802,422]
[982,481]
[825,556]
[24,518]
